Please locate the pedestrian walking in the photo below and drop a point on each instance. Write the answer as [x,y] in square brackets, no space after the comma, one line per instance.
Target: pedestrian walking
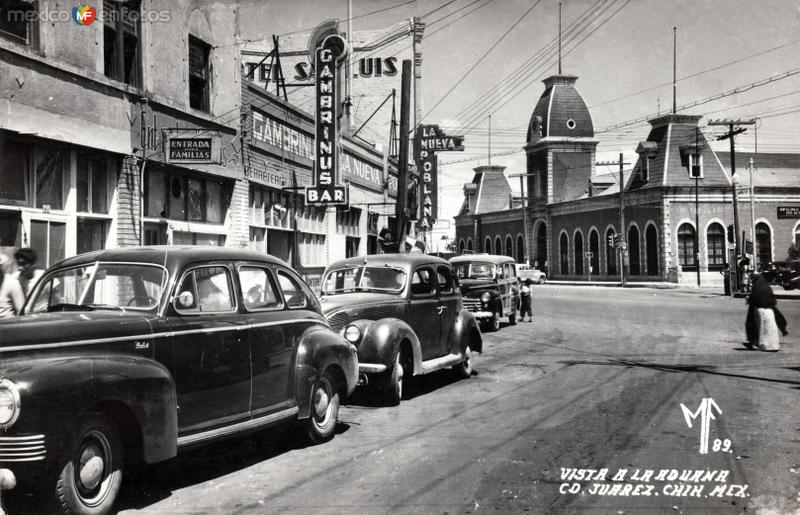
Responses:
[11,295]
[525,300]
[27,272]
[764,320]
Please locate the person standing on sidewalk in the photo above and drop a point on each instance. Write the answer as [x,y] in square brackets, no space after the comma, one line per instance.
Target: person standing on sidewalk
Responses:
[762,298]
[27,272]
[11,296]
[525,300]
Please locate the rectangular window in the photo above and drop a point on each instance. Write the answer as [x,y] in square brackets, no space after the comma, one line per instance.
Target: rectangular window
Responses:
[121,41]
[48,240]
[156,194]
[92,185]
[312,249]
[10,229]
[178,196]
[197,238]
[213,202]
[695,166]
[91,235]
[14,174]
[155,234]
[195,200]
[49,179]
[347,221]
[18,21]
[199,80]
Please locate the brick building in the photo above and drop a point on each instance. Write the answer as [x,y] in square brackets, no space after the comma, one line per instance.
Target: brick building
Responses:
[572,211]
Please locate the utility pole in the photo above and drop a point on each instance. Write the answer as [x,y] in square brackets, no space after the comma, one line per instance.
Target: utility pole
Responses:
[524,212]
[734,128]
[622,247]
[402,172]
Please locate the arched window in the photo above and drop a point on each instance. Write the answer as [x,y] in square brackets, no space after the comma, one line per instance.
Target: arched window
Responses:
[487,245]
[461,246]
[509,247]
[763,243]
[498,246]
[520,249]
[541,248]
[611,254]
[715,245]
[633,251]
[651,241]
[594,248]
[578,253]
[564,254]
[686,253]
[469,244]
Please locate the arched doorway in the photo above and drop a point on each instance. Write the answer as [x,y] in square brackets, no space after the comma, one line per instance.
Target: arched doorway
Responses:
[633,251]
[487,245]
[651,241]
[541,248]
[509,247]
[469,244]
[498,246]
[611,254]
[763,242]
[461,246]
[594,248]
[578,253]
[520,249]
[564,254]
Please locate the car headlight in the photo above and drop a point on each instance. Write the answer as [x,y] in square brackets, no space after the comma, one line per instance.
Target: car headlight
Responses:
[9,403]
[352,333]
[486,296]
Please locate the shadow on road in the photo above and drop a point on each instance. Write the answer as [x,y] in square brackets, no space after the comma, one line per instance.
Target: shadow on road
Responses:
[700,369]
[373,396]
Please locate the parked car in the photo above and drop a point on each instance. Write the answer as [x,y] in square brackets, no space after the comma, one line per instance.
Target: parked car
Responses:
[790,275]
[405,315]
[131,355]
[528,272]
[771,271]
[488,285]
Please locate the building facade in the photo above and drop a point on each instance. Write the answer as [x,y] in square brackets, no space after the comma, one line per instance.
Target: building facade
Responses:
[669,214]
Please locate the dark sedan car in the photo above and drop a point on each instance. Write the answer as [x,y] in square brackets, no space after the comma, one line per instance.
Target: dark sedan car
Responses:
[130,355]
[404,313]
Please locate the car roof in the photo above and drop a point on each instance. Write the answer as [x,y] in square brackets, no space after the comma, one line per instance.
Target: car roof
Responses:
[491,258]
[391,260]
[170,256]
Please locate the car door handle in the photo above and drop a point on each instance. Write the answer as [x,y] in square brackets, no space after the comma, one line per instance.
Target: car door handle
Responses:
[441,309]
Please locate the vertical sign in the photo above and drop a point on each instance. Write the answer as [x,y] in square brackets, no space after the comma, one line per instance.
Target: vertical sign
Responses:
[325,189]
[429,140]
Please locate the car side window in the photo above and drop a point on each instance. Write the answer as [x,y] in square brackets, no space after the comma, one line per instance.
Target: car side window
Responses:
[258,289]
[204,290]
[445,279]
[512,272]
[500,272]
[422,282]
[292,292]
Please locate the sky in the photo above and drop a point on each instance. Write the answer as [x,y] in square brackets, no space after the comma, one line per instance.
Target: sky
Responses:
[488,57]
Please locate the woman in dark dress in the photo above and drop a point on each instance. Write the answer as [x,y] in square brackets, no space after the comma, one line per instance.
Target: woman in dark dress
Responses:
[761,296]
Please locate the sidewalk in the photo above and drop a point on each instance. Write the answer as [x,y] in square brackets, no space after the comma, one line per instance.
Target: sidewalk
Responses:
[780,293]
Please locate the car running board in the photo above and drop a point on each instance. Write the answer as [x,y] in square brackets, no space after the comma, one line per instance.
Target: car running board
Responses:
[444,361]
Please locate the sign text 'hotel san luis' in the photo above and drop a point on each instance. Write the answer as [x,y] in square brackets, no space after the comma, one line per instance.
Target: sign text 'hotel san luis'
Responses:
[430,139]
[325,189]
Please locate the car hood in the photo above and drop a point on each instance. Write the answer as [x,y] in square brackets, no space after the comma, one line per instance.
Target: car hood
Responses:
[476,286]
[53,328]
[356,300]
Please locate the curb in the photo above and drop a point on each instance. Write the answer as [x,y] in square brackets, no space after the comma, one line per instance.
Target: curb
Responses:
[779,293]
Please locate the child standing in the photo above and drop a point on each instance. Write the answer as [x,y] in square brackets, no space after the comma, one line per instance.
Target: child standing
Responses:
[525,300]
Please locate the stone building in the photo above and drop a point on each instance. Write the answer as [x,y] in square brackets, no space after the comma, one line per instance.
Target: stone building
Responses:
[671,226]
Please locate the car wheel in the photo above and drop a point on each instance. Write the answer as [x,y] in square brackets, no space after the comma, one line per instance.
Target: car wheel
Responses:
[464,369]
[542,280]
[394,388]
[494,322]
[325,401]
[512,319]
[90,480]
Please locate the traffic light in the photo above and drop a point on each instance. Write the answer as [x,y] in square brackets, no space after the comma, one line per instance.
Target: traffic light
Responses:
[612,240]
[730,234]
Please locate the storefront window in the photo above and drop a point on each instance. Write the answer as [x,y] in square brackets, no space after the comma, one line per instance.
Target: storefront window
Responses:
[50,179]
[10,229]
[196,238]
[177,198]
[213,202]
[13,174]
[156,195]
[195,200]
[91,235]
[48,240]
[312,249]
[347,221]
[92,185]
[191,198]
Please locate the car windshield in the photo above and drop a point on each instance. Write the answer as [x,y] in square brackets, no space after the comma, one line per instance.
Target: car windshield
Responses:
[475,270]
[363,278]
[117,286]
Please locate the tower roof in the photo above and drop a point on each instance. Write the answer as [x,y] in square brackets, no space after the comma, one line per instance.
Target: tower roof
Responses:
[561,111]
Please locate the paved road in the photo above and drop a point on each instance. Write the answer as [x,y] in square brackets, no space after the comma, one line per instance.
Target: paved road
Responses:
[595,382]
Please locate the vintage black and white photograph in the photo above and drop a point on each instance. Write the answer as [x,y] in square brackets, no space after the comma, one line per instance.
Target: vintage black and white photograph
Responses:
[399,257]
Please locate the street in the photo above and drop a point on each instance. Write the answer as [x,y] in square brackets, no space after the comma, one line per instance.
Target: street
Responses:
[596,383]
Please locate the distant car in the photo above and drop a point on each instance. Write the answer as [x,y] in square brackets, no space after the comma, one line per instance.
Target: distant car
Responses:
[528,272]
[130,355]
[790,275]
[771,271]
[405,315]
[489,287]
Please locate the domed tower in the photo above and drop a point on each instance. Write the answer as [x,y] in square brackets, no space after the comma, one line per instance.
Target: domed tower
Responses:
[561,145]
[560,152]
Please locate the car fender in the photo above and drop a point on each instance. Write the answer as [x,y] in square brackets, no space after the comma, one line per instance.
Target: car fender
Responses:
[134,391]
[468,332]
[381,340]
[319,348]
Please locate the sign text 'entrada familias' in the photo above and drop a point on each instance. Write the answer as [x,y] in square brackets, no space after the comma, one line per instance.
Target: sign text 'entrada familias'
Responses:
[325,189]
